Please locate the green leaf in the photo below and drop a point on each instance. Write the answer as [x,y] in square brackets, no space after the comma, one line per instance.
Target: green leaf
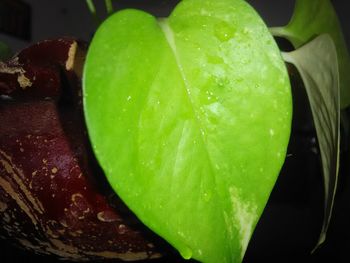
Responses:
[318,66]
[190,119]
[312,18]
[5,51]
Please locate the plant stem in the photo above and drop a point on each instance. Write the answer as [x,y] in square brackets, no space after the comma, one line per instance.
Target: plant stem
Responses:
[92,9]
[109,6]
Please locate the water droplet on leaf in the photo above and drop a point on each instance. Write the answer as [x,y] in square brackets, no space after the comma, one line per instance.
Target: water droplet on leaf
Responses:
[207,196]
[224,32]
[186,252]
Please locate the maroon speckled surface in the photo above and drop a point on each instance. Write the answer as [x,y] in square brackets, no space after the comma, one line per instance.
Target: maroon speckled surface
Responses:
[54,199]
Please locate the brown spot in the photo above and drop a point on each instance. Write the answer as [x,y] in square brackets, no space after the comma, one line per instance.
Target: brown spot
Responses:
[76,233]
[63,222]
[107,216]
[79,207]
[73,234]
[71,56]
[75,196]
[4,68]
[23,81]
[150,245]
[3,207]
[79,201]
[122,229]
[54,170]
[61,231]
[51,233]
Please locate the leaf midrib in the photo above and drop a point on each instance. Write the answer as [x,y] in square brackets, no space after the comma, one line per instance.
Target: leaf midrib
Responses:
[169,37]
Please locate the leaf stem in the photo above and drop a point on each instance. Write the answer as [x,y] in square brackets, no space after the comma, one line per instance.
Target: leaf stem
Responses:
[91,6]
[282,32]
[92,9]
[109,6]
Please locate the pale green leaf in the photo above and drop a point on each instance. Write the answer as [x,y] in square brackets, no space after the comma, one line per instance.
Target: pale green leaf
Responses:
[312,18]
[190,119]
[318,67]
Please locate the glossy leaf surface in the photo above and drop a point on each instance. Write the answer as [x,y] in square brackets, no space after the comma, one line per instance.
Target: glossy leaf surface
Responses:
[318,67]
[190,119]
[310,19]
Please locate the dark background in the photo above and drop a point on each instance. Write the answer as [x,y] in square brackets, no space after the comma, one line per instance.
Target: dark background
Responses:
[290,225]
[71,17]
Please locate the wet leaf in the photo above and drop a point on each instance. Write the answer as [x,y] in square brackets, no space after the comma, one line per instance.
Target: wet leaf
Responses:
[190,119]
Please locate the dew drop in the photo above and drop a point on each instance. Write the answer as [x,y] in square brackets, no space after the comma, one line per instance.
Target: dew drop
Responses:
[186,252]
[224,32]
[246,31]
[207,196]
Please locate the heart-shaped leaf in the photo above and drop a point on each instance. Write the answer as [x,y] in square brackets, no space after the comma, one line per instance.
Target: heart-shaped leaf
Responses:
[318,67]
[190,119]
[312,18]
